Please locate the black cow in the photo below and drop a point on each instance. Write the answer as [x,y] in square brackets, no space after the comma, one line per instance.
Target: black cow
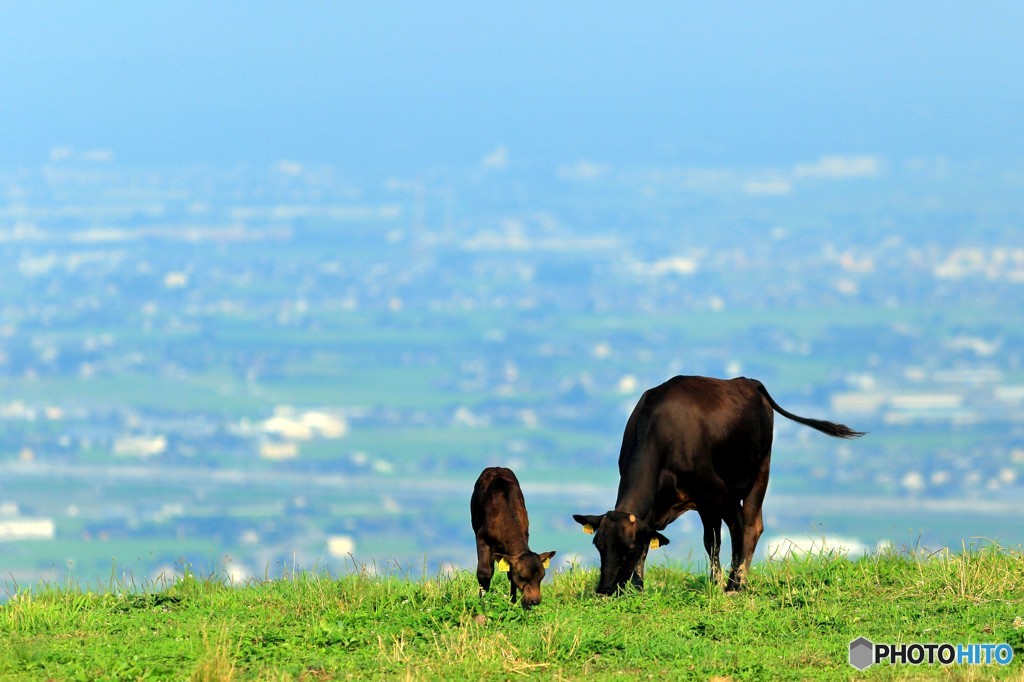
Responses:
[502,531]
[692,443]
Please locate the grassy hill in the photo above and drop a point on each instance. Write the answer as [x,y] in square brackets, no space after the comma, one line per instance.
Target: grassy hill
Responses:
[795,622]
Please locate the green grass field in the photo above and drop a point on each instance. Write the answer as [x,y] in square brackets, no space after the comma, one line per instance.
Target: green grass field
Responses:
[795,622]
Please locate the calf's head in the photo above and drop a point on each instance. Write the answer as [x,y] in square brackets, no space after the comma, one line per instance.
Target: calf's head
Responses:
[621,539]
[526,570]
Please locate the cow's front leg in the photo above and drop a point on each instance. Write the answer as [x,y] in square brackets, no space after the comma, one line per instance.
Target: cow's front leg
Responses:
[638,572]
[512,596]
[484,565]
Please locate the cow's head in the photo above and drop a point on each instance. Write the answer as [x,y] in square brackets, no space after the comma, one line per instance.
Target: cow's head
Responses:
[526,570]
[621,539]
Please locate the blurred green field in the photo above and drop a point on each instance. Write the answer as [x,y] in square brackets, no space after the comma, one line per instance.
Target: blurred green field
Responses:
[544,388]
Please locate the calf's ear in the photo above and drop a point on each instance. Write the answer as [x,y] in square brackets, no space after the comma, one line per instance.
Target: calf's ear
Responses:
[545,559]
[589,523]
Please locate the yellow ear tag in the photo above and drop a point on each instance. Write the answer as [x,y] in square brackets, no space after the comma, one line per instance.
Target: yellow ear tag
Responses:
[588,529]
[502,566]
[655,544]
[547,563]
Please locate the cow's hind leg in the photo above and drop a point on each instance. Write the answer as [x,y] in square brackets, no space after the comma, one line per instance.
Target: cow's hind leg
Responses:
[753,525]
[484,565]
[711,519]
[737,535]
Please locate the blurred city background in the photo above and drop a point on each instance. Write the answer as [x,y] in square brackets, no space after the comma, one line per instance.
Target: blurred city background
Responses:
[277,283]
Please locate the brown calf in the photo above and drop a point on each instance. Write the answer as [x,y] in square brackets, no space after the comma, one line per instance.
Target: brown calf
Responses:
[503,533]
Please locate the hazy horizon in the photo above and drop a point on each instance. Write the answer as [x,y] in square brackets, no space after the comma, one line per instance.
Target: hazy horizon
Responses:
[406,86]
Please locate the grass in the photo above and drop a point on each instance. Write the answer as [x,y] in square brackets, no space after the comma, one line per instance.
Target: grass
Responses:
[795,622]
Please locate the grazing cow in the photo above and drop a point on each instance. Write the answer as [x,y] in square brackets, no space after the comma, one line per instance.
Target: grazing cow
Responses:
[503,534]
[692,443]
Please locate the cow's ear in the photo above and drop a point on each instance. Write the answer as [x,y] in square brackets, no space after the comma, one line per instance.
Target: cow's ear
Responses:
[658,540]
[545,559]
[589,523]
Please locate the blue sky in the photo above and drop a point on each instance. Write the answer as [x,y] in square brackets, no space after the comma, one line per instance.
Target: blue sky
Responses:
[412,85]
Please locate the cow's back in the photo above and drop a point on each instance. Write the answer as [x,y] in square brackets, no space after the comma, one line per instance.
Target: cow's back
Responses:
[695,427]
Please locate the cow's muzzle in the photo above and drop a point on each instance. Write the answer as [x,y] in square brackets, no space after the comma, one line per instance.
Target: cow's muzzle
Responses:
[607,590]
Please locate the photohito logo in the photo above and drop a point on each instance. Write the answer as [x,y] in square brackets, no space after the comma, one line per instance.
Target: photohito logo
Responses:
[864,653]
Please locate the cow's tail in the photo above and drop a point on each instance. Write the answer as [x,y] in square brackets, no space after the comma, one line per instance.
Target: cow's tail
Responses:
[830,428]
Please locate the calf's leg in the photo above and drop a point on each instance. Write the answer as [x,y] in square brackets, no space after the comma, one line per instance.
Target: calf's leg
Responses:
[484,565]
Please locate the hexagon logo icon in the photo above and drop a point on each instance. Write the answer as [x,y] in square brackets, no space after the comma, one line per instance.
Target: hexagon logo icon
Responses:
[862,653]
